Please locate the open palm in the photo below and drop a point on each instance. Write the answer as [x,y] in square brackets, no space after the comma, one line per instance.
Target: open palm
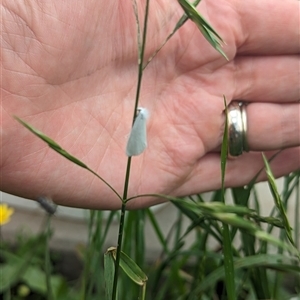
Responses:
[70,70]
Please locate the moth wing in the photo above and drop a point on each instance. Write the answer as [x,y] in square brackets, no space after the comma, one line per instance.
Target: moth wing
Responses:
[137,141]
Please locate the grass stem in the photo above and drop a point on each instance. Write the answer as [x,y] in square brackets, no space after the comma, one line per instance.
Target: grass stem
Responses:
[127,176]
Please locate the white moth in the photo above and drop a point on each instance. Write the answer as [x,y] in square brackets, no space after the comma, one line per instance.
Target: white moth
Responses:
[137,141]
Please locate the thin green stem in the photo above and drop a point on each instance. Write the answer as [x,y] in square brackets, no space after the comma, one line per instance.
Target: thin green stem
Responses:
[105,182]
[297,213]
[227,240]
[127,175]
[47,260]
[140,61]
[87,256]
[228,263]
[118,254]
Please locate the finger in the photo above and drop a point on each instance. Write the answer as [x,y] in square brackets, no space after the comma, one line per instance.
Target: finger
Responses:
[270,126]
[284,162]
[239,172]
[274,79]
[273,126]
[269,27]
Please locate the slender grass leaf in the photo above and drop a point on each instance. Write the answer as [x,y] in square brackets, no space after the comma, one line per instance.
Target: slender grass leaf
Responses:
[269,220]
[235,220]
[227,217]
[109,270]
[157,230]
[228,263]
[205,28]
[211,37]
[186,210]
[259,260]
[48,265]
[227,238]
[224,149]
[181,21]
[132,270]
[241,195]
[297,211]
[262,235]
[278,201]
[196,17]
[207,208]
[56,147]
[207,225]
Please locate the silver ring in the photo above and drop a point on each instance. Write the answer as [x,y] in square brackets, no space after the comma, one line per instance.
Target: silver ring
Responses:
[244,121]
[237,128]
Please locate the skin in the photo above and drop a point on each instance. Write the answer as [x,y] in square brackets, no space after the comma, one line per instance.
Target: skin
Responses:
[70,70]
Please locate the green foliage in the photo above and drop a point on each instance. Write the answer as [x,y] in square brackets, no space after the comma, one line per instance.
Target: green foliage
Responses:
[183,270]
[23,271]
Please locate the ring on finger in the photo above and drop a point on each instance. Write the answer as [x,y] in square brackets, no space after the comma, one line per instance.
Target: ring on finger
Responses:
[237,128]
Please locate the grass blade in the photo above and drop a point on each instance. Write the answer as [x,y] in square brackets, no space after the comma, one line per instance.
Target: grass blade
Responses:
[205,28]
[132,270]
[56,147]
[224,147]
[278,201]
[181,21]
[267,260]
[227,239]
[157,230]
[109,270]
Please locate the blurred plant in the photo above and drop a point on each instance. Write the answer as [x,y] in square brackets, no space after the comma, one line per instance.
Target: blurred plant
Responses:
[23,274]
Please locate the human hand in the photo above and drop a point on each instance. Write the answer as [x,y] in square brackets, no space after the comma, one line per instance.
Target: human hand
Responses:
[70,70]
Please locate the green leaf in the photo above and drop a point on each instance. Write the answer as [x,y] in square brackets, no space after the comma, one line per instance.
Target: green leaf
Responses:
[35,278]
[13,270]
[157,230]
[235,220]
[181,21]
[208,208]
[109,270]
[269,220]
[278,201]
[228,263]
[224,149]
[258,260]
[52,144]
[205,28]
[56,147]
[132,270]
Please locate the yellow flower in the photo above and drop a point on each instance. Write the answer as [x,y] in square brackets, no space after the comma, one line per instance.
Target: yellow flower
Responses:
[5,213]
